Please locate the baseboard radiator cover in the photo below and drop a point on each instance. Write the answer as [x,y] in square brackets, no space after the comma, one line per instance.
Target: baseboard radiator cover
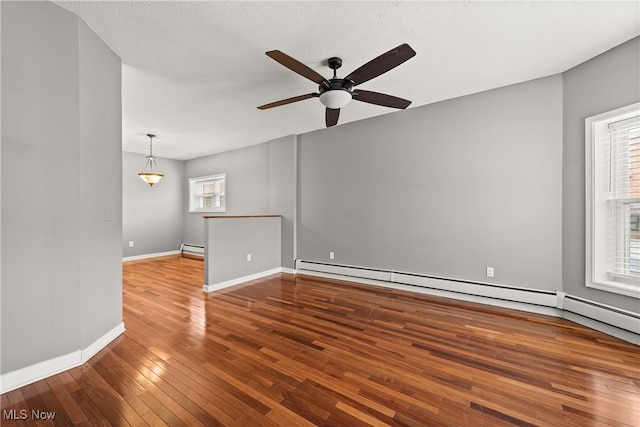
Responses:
[191,249]
[486,290]
[602,313]
[545,300]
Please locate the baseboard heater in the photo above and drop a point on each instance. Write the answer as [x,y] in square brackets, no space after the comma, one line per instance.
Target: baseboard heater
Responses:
[612,316]
[602,313]
[487,290]
[189,249]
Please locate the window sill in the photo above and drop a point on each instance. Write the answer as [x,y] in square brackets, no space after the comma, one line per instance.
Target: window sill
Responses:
[617,288]
[211,210]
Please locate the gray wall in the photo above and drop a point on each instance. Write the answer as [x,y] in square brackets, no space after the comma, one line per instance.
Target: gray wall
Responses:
[282,192]
[247,185]
[260,180]
[100,200]
[445,189]
[61,227]
[152,217]
[230,240]
[606,82]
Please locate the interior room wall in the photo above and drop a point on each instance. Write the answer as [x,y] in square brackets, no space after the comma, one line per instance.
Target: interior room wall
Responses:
[446,189]
[152,217]
[604,83]
[100,200]
[61,226]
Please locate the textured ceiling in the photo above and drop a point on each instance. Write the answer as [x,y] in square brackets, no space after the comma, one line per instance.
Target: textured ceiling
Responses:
[194,72]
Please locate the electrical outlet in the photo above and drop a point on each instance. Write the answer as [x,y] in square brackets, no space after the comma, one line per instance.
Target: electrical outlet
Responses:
[131,243]
[490,271]
[248,257]
[332,255]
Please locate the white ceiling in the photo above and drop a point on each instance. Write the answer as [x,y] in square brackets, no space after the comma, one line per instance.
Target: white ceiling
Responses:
[194,72]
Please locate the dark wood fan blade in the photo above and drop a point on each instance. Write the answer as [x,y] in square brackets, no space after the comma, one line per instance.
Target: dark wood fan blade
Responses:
[380,99]
[289,101]
[331,116]
[296,66]
[381,64]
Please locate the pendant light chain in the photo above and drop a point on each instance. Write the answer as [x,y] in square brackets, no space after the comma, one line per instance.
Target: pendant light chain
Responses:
[151,145]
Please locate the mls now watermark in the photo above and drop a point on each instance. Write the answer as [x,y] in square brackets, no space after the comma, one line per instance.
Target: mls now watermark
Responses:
[23,414]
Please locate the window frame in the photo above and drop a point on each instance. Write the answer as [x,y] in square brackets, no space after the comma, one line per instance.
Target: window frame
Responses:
[193,196]
[597,271]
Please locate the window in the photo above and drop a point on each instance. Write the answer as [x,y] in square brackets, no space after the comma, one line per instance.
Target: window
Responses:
[207,194]
[613,201]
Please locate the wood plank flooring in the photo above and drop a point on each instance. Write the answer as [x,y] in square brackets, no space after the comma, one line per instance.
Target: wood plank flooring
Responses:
[300,351]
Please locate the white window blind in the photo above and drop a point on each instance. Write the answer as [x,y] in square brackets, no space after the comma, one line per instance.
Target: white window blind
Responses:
[624,197]
[612,166]
[208,193]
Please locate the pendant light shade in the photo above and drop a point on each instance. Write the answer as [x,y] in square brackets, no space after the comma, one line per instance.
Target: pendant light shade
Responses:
[151,173]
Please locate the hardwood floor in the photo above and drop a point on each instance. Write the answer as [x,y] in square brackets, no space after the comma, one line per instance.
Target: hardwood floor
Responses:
[299,351]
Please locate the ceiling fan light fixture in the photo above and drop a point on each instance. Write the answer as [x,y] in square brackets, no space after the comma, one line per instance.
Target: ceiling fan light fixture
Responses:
[151,173]
[335,93]
[335,98]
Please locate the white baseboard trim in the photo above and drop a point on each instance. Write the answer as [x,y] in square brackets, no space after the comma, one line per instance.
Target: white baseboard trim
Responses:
[30,374]
[41,370]
[145,256]
[222,285]
[102,342]
[287,270]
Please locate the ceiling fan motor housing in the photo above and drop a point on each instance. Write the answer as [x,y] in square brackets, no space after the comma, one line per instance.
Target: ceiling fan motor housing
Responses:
[335,93]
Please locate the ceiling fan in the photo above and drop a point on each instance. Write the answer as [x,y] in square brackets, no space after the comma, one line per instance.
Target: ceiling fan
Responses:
[336,92]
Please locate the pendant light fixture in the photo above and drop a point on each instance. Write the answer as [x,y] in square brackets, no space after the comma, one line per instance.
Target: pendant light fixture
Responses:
[151,174]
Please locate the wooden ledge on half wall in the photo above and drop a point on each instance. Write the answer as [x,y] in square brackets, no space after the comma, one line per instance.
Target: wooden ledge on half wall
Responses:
[241,216]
